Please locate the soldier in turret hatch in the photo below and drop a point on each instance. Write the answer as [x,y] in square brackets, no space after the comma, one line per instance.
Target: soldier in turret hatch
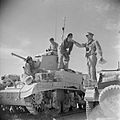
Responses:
[64,52]
[91,46]
[31,67]
[53,46]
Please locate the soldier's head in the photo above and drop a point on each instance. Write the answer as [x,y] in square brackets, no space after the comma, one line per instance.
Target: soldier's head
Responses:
[90,35]
[51,40]
[29,59]
[69,36]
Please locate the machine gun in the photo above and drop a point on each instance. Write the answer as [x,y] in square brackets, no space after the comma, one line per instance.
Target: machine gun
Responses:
[19,56]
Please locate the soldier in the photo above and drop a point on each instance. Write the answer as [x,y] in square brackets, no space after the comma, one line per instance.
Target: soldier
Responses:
[31,67]
[91,46]
[53,46]
[65,50]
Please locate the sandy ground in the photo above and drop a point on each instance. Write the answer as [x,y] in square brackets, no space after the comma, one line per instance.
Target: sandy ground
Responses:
[26,116]
[78,116]
[96,114]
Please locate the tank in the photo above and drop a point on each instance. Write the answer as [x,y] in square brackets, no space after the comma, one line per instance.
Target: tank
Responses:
[52,90]
[106,94]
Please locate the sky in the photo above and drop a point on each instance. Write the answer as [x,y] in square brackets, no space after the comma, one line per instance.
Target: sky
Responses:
[27,25]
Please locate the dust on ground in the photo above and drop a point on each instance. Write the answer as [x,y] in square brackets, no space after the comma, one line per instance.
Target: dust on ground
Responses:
[27,116]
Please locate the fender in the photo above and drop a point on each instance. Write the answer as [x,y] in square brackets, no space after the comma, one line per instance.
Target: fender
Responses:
[27,90]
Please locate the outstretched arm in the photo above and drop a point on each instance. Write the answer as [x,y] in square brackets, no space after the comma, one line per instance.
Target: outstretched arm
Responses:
[78,44]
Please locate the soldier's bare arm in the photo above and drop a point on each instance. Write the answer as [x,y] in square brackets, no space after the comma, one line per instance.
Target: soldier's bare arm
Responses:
[78,44]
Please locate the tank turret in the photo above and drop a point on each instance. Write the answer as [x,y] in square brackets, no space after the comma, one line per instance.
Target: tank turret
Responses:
[49,62]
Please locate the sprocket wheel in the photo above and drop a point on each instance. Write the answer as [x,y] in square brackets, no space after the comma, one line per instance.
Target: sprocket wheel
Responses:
[33,103]
[57,108]
[109,100]
[66,106]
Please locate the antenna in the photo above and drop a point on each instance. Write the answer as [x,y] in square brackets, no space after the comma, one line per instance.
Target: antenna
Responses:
[118,65]
[63,28]
[56,17]
[56,28]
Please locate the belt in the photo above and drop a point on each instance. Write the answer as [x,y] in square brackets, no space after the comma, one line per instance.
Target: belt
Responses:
[89,54]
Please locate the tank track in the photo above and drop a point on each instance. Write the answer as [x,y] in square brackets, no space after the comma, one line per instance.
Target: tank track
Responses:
[50,105]
[13,109]
[29,101]
[41,102]
[22,114]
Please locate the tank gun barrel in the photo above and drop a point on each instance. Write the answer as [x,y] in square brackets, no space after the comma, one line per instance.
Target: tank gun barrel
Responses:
[18,56]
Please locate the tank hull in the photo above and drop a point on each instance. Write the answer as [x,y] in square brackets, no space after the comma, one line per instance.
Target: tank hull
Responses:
[10,96]
[47,93]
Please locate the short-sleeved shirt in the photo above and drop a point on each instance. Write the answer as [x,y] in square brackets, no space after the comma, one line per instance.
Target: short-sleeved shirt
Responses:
[92,46]
[66,45]
[30,69]
[54,46]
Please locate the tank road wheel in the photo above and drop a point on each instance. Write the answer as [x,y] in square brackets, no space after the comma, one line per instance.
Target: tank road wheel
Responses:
[74,107]
[57,108]
[57,96]
[109,101]
[66,106]
[89,107]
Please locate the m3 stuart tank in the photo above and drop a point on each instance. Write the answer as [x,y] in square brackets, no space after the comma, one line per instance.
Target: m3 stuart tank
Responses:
[106,94]
[49,90]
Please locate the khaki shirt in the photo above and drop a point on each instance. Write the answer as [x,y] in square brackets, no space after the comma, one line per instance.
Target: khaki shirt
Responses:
[91,48]
[32,69]
[66,46]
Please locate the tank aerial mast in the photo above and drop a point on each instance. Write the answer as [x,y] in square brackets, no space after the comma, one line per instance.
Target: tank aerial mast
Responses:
[118,65]
[63,28]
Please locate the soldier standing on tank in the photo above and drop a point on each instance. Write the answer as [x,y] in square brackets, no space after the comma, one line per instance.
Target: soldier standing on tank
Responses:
[91,46]
[64,52]
[53,46]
